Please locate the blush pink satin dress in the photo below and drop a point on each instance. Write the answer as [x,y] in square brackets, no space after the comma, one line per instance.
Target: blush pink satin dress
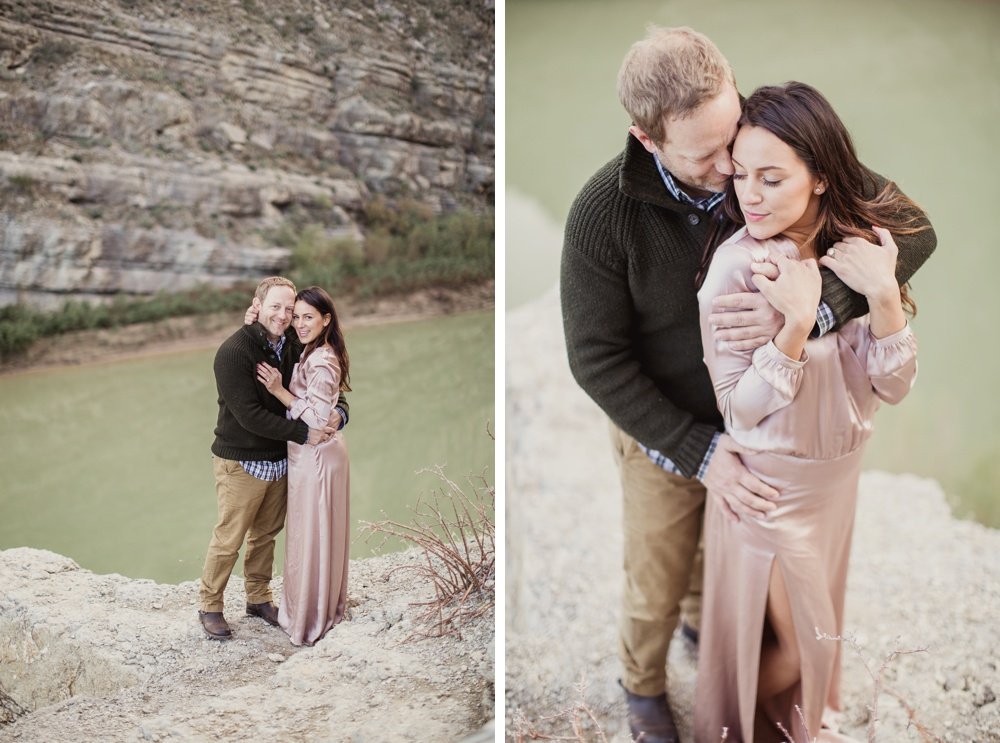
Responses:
[317,527]
[807,420]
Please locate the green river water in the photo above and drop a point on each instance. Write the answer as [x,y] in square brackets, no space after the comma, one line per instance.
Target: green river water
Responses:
[918,84]
[110,463]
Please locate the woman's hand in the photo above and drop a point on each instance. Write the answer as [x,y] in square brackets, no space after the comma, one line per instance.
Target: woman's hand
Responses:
[252,311]
[870,269]
[270,377]
[795,292]
[867,268]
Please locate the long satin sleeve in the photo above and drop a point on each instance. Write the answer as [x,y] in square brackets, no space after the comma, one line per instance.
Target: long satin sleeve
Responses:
[890,362]
[749,385]
[322,380]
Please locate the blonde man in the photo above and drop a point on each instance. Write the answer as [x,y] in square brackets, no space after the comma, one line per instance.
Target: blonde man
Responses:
[634,240]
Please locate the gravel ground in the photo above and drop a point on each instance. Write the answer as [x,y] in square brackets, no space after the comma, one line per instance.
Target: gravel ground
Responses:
[919,579]
[86,657]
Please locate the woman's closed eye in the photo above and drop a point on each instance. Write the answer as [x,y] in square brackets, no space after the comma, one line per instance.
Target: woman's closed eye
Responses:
[765,181]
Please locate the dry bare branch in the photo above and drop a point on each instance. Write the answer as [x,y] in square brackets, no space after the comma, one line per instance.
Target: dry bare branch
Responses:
[878,682]
[456,532]
[574,716]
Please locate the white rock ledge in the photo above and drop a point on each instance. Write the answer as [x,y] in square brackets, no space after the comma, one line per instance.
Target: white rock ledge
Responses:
[104,657]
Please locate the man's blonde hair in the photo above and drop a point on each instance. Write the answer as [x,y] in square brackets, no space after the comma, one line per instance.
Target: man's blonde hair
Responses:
[669,74]
[270,281]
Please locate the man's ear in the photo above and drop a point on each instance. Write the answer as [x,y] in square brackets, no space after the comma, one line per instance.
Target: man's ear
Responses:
[255,304]
[643,138]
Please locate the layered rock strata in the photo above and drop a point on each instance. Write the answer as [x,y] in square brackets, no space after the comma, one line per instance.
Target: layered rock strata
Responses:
[155,147]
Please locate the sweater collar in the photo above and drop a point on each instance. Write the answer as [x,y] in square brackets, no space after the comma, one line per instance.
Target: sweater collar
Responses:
[640,178]
[257,332]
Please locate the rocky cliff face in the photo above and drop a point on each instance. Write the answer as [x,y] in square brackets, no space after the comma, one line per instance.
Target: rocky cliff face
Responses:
[149,146]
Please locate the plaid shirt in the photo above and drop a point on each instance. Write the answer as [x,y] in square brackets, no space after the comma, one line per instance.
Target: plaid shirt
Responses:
[269,471]
[664,462]
[824,321]
[706,205]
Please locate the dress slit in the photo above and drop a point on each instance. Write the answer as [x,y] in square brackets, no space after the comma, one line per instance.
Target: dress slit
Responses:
[808,534]
[752,644]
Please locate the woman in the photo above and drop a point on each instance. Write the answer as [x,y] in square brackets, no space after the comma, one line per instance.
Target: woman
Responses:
[317,536]
[803,406]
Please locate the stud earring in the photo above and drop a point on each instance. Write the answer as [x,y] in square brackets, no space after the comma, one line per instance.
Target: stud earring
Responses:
[818,190]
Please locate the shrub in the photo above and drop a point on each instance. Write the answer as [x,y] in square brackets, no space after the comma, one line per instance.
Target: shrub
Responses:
[16,335]
[456,532]
[23,183]
[20,326]
[53,52]
[320,259]
[406,247]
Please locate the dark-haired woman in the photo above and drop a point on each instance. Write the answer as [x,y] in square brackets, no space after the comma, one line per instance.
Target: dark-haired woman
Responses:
[802,406]
[317,533]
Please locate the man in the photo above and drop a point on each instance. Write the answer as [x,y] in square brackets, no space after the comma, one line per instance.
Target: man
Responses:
[634,239]
[250,449]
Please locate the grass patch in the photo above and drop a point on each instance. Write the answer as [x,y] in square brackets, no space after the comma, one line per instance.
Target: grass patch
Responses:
[20,326]
[406,247]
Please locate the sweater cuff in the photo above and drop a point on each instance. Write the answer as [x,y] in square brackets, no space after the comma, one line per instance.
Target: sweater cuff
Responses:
[690,454]
[301,434]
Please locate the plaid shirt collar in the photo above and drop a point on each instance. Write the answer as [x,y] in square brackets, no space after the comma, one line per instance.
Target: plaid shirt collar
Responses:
[277,347]
[706,205]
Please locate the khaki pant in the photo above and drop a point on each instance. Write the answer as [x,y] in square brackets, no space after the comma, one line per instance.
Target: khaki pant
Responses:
[663,516]
[249,508]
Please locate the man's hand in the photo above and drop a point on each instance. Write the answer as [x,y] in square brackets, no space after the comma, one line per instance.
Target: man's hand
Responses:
[320,436]
[745,320]
[332,426]
[742,493]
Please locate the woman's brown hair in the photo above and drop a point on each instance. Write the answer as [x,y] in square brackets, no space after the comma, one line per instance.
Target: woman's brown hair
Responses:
[332,334]
[801,117]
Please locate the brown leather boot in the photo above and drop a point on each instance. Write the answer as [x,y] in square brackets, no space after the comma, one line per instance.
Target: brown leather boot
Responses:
[215,625]
[267,611]
[650,718]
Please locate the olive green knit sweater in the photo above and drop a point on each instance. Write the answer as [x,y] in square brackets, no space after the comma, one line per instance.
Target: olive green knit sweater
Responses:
[630,307]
